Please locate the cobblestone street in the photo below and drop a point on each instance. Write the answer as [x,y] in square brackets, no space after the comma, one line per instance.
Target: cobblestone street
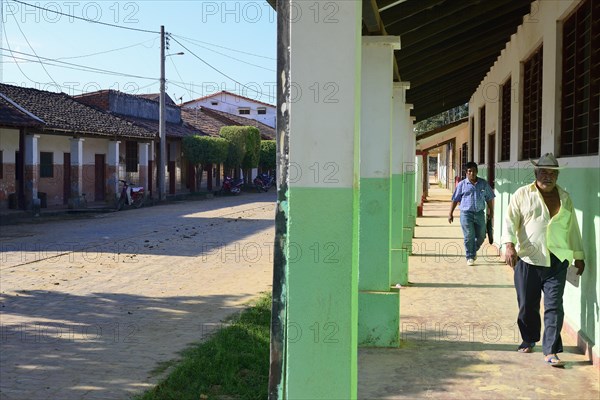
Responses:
[91,307]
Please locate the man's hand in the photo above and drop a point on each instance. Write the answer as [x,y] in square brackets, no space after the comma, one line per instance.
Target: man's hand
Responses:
[510,255]
[490,214]
[580,265]
[450,218]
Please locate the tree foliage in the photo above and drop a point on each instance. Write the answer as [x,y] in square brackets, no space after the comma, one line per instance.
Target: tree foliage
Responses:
[252,156]
[268,154]
[442,119]
[203,150]
[236,135]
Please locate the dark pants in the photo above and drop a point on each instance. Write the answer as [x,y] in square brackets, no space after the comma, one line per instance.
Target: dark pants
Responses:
[530,282]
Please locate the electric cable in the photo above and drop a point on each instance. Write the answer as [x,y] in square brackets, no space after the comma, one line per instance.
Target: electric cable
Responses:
[85,19]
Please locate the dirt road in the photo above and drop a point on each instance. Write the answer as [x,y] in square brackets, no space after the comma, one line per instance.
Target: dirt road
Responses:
[90,307]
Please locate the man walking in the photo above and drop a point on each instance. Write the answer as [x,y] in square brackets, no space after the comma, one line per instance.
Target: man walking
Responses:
[541,221]
[473,194]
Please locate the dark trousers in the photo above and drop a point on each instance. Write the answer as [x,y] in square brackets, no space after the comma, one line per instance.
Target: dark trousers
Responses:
[530,282]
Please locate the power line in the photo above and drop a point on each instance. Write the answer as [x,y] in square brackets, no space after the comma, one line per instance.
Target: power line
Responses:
[221,100]
[72,65]
[216,70]
[32,49]
[109,51]
[195,41]
[86,19]
[236,59]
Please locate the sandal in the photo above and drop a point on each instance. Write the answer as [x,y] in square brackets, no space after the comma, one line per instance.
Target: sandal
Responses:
[526,347]
[554,361]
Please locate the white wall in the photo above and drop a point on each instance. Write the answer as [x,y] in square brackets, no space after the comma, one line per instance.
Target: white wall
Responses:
[231,104]
[9,143]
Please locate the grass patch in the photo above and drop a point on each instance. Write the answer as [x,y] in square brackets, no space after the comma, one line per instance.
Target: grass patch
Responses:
[232,364]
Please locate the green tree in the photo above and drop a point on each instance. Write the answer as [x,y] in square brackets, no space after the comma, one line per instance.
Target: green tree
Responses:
[268,155]
[237,145]
[252,156]
[442,119]
[204,150]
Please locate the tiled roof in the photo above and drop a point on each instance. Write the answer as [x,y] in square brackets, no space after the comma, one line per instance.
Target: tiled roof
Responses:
[156,97]
[211,121]
[61,112]
[173,130]
[222,92]
[11,115]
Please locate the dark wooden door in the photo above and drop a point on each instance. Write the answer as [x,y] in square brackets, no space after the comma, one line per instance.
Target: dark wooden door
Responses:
[99,177]
[66,177]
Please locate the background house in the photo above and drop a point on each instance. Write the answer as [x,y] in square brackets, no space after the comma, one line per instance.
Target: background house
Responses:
[59,149]
[235,104]
[143,111]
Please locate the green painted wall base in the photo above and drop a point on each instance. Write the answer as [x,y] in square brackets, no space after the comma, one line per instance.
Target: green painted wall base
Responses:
[378,319]
[399,273]
[407,237]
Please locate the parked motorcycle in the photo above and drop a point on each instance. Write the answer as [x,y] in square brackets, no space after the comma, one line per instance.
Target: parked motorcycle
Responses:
[130,195]
[263,182]
[231,185]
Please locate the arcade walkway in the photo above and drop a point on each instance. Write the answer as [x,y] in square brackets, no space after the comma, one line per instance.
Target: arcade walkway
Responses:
[458,331]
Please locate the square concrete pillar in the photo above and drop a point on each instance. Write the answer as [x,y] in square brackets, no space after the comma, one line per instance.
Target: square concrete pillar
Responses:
[143,151]
[112,182]
[76,148]
[31,172]
[315,294]
[398,259]
[375,193]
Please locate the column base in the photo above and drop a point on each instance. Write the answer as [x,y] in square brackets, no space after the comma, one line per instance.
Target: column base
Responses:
[407,236]
[378,319]
[399,273]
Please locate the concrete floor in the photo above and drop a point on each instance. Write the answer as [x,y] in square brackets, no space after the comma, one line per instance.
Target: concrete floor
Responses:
[458,329]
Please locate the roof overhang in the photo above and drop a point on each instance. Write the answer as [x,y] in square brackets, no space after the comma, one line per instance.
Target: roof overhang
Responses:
[447,46]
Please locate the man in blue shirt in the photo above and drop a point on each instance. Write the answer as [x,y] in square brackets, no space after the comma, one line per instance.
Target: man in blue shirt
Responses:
[473,194]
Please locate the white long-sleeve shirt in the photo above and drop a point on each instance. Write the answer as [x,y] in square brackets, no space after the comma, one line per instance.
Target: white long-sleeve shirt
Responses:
[528,225]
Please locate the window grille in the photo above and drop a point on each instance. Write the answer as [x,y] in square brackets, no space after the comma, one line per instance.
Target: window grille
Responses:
[505,121]
[532,106]
[581,81]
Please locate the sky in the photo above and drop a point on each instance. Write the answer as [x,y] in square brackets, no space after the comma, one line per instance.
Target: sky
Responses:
[228,45]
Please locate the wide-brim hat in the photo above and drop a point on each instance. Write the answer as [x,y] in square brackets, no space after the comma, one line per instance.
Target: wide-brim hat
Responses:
[547,161]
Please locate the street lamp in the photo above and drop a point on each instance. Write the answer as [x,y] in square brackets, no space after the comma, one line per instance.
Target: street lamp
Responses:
[162,120]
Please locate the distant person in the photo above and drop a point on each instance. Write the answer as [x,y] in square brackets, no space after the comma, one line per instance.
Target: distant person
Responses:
[541,221]
[473,193]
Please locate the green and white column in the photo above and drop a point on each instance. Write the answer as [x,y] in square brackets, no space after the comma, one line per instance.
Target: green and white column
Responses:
[409,205]
[379,309]
[314,326]
[399,254]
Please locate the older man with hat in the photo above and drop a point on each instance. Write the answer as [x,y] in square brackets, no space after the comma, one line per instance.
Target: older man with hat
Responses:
[542,238]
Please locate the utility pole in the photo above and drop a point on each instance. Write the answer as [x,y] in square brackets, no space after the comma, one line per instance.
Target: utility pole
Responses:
[162,123]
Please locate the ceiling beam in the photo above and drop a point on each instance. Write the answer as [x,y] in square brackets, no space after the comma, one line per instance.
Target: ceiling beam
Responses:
[401,24]
[446,67]
[374,26]
[407,8]
[371,18]
[416,56]
[471,18]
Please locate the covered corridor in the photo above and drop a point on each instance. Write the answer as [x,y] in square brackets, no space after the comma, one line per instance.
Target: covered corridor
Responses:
[458,332]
